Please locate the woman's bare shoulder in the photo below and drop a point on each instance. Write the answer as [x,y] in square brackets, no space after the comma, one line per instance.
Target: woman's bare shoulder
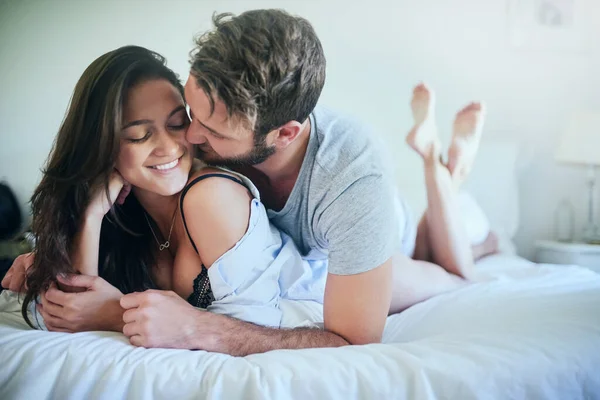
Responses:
[217,212]
[199,169]
[215,189]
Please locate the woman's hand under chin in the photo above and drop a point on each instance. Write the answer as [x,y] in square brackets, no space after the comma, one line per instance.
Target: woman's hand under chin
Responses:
[94,307]
[118,190]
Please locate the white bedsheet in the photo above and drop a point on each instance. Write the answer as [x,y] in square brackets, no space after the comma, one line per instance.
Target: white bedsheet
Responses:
[525,332]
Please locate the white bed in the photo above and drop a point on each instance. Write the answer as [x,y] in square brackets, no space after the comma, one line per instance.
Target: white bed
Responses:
[525,331]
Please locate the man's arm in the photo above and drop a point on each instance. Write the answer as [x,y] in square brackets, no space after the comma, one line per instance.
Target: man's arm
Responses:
[361,227]
[239,338]
[355,311]
[356,306]
[157,318]
[361,230]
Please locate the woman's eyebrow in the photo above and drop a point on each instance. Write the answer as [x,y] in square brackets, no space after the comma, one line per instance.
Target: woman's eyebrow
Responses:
[149,121]
[137,122]
[176,110]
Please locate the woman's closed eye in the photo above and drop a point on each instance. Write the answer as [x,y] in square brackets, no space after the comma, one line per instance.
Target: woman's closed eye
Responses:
[180,125]
[140,140]
[179,121]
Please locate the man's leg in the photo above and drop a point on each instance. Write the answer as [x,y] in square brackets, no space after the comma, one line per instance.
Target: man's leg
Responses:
[442,250]
[467,130]
[423,245]
[449,245]
[422,250]
[415,281]
[441,239]
[461,155]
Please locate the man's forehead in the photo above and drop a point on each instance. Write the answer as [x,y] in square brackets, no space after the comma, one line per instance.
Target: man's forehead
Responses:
[199,103]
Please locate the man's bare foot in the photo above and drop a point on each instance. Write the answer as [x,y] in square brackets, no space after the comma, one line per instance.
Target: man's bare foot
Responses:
[468,126]
[423,136]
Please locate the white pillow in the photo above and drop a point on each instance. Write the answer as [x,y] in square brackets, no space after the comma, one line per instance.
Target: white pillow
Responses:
[476,223]
[493,183]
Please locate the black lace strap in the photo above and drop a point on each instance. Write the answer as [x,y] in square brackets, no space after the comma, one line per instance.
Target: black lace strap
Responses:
[189,186]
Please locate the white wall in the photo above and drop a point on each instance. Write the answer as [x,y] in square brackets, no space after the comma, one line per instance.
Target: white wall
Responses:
[377,50]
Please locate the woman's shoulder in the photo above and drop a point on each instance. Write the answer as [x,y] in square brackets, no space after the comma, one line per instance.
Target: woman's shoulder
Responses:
[215,211]
[201,172]
[200,169]
[211,185]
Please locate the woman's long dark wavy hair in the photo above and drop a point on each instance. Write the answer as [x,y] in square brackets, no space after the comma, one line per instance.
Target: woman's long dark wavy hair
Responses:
[83,156]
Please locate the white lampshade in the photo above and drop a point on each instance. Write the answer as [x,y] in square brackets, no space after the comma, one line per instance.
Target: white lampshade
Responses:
[580,142]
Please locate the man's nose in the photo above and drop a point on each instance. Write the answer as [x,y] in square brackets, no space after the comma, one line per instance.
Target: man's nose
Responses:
[195,134]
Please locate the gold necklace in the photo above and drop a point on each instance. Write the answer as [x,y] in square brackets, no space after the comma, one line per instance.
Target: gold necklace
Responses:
[166,244]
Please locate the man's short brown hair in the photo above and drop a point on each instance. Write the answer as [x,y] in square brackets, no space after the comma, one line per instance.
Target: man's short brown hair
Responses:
[267,66]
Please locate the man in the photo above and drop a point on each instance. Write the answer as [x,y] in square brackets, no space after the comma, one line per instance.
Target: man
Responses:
[253,88]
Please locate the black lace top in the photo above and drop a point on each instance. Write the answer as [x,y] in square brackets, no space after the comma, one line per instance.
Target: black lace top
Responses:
[202,296]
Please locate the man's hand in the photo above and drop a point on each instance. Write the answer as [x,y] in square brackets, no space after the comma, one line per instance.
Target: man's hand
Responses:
[95,309]
[158,318]
[16,277]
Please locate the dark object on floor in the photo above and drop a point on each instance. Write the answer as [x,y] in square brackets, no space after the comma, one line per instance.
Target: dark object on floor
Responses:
[10,213]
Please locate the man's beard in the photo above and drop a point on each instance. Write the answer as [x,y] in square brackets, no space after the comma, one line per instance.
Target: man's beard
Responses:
[259,153]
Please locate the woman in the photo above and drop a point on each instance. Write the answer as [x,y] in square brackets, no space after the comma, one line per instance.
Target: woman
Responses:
[125,130]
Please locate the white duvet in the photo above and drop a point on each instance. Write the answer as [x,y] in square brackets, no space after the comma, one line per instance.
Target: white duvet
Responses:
[524,332]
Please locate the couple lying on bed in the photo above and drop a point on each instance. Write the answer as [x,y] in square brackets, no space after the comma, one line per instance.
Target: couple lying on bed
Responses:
[139,231]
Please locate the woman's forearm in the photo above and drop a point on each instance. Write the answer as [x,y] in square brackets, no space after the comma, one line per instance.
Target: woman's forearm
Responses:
[86,246]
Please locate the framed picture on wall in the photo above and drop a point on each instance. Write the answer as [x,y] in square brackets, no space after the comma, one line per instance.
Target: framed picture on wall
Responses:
[559,25]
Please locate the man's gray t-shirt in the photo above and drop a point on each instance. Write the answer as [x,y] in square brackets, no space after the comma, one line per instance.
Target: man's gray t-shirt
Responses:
[344,205]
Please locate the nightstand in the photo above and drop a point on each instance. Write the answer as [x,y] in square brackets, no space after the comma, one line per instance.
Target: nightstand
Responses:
[552,252]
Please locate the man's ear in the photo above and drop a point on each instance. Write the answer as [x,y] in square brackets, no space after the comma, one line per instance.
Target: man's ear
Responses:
[286,134]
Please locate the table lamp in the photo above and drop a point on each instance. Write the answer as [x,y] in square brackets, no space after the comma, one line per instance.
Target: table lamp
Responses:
[580,145]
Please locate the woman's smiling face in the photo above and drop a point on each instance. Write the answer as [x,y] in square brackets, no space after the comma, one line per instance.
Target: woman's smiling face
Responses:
[154,154]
